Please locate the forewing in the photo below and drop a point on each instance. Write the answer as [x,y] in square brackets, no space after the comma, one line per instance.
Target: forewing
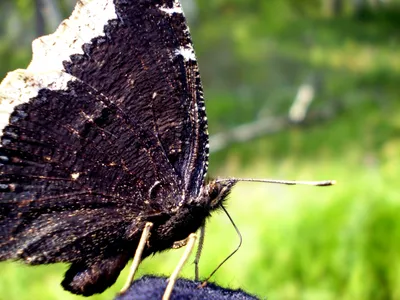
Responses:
[152,38]
[105,125]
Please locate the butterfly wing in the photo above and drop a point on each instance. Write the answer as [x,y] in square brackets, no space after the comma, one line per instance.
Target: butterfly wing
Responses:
[103,127]
[155,34]
[67,152]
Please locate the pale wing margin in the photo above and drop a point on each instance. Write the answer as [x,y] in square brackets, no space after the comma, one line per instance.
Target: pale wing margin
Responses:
[46,68]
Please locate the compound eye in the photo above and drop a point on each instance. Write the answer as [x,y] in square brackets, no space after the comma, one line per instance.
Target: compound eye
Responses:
[217,191]
[214,191]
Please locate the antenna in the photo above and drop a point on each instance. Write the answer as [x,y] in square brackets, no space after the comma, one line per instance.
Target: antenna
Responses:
[279,181]
[235,180]
[230,255]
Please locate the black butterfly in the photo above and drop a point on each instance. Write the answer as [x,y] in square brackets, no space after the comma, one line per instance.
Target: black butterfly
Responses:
[104,131]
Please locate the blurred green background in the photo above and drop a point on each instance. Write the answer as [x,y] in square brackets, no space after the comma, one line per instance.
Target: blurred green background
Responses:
[255,56]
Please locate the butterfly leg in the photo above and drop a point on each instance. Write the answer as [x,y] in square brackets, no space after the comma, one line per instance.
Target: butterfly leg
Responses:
[191,241]
[198,252]
[138,255]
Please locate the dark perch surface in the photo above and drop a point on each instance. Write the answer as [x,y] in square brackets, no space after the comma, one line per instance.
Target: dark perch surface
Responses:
[152,287]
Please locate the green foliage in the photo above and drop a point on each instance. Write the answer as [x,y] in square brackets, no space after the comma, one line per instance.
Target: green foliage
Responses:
[340,242]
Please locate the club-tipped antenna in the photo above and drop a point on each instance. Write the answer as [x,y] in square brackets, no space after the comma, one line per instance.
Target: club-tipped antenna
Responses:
[279,181]
[230,255]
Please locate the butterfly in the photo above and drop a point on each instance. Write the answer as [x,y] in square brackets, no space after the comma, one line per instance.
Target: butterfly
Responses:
[103,133]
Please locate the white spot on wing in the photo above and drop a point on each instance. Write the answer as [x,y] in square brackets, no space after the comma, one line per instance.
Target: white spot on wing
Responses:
[187,52]
[176,8]
[75,176]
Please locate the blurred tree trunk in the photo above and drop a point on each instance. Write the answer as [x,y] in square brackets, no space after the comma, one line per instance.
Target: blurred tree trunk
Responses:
[337,7]
[48,16]
[333,7]
[39,17]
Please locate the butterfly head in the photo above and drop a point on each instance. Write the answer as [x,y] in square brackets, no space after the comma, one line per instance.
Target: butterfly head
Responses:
[217,191]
